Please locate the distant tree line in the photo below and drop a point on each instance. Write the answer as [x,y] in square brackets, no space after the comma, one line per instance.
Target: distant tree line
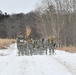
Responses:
[58,18]
[13,25]
[51,18]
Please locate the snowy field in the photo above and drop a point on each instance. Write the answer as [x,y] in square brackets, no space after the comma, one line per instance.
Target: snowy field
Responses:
[63,63]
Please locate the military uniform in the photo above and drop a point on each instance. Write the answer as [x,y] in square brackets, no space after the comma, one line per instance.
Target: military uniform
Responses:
[45,45]
[51,45]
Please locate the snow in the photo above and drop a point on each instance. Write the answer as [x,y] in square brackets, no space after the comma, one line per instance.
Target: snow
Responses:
[68,60]
[62,63]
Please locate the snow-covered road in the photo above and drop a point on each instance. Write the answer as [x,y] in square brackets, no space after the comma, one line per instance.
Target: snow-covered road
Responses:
[62,63]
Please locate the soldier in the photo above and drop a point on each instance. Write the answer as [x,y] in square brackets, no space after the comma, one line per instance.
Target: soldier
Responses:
[26,52]
[29,39]
[46,44]
[36,46]
[20,42]
[51,45]
[40,46]
[30,46]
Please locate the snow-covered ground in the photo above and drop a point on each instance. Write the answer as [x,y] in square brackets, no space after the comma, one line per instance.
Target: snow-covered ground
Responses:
[63,63]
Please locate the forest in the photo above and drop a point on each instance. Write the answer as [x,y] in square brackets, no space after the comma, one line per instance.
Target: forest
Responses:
[50,18]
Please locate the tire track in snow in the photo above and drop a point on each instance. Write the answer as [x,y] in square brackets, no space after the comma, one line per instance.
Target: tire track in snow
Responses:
[44,65]
[5,61]
[35,65]
[70,68]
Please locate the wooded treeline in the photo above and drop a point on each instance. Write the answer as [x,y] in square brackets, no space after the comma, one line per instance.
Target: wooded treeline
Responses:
[51,18]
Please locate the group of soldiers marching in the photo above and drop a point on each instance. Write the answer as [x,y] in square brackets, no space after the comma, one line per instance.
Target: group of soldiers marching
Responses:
[37,47]
[27,46]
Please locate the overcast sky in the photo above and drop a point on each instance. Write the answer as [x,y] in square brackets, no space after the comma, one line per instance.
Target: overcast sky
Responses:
[17,6]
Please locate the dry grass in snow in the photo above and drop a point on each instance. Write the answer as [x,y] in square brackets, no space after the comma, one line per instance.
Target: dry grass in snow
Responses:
[6,42]
[68,49]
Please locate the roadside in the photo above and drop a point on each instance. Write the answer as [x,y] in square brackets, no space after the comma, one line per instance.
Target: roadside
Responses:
[4,43]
